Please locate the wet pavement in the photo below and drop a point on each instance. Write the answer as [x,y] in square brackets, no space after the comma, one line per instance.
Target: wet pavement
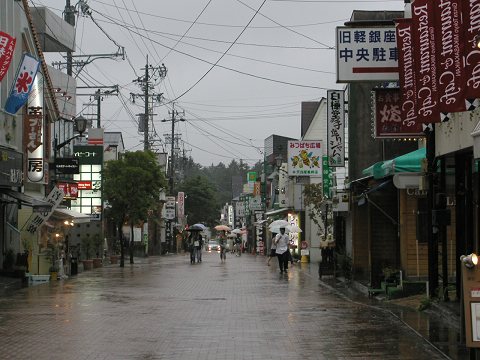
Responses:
[165,308]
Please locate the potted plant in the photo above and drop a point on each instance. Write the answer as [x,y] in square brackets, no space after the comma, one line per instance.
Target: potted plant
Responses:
[87,248]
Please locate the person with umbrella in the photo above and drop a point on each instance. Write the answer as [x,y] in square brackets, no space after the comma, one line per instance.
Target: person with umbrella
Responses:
[281,241]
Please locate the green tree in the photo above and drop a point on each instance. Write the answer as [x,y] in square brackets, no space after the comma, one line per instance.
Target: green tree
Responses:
[201,204]
[132,187]
[313,197]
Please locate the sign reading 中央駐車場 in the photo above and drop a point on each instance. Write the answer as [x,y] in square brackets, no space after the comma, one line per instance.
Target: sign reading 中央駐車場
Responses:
[366,54]
[305,158]
[336,127]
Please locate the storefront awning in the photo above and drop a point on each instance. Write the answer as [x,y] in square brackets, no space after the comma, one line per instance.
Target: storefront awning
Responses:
[67,214]
[408,163]
[36,204]
[278,211]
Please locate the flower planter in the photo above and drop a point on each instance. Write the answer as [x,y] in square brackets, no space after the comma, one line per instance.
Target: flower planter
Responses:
[97,262]
[114,259]
[87,264]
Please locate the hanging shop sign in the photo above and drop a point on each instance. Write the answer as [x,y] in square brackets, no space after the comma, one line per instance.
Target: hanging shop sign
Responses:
[305,158]
[387,116]
[7,46]
[336,127]
[231,218]
[181,205]
[366,54]
[70,190]
[471,53]
[11,168]
[22,85]
[67,166]
[170,207]
[36,220]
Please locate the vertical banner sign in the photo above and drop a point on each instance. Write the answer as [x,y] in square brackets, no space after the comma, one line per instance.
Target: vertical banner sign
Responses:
[471,28]
[326,177]
[425,61]
[450,71]
[387,116]
[406,71]
[169,207]
[336,127]
[37,219]
[7,46]
[181,205]
[22,84]
[231,217]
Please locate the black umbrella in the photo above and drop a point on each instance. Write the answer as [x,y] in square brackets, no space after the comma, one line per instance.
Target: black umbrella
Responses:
[195,228]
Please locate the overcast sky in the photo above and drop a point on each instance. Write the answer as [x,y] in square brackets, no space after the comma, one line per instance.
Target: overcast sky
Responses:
[270,56]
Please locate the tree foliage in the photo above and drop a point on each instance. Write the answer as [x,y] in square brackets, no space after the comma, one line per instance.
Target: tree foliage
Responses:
[313,197]
[201,204]
[132,187]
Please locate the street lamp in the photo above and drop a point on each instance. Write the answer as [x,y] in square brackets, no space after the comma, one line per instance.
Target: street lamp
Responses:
[469,261]
[81,124]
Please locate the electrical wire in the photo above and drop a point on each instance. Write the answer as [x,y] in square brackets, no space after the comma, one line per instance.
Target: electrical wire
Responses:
[186,32]
[230,25]
[285,27]
[228,68]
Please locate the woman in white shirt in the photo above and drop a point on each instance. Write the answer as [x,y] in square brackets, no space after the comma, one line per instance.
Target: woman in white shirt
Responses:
[281,241]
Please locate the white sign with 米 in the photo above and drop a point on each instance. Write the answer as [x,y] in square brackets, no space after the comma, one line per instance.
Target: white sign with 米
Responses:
[170,205]
[366,54]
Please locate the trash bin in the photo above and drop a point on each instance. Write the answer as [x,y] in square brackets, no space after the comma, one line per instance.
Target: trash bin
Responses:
[74,266]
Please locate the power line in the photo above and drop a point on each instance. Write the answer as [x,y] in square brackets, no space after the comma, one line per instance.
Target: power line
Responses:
[230,25]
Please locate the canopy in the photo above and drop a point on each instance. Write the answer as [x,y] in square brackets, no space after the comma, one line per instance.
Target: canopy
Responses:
[67,214]
[407,163]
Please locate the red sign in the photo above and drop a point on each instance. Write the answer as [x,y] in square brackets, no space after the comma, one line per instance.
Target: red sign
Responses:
[70,190]
[7,46]
[33,131]
[406,67]
[471,28]
[424,52]
[388,117]
[450,71]
[84,185]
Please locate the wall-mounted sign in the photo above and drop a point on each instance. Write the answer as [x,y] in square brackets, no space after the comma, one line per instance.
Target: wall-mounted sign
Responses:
[326,178]
[89,154]
[366,54]
[67,166]
[305,158]
[336,127]
[388,120]
[70,190]
[7,46]
[11,168]
[84,185]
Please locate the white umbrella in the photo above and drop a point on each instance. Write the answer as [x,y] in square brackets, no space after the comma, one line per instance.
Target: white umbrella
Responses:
[279,224]
[294,229]
[236,231]
[200,226]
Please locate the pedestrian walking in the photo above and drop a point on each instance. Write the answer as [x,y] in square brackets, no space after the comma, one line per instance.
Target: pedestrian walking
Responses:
[223,246]
[199,248]
[273,249]
[191,248]
[282,240]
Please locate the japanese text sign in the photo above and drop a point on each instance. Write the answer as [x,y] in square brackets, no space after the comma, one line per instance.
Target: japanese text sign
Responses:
[366,54]
[327,177]
[389,121]
[37,219]
[7,46]
[181,205]
[336,127]
[70,190]
[305,158]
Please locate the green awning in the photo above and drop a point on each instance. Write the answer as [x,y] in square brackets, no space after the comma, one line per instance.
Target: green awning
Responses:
[408,163]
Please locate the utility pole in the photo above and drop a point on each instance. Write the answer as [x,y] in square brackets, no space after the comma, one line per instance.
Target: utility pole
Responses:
[151,74]
[173,119]
[98,96]
[69,18]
